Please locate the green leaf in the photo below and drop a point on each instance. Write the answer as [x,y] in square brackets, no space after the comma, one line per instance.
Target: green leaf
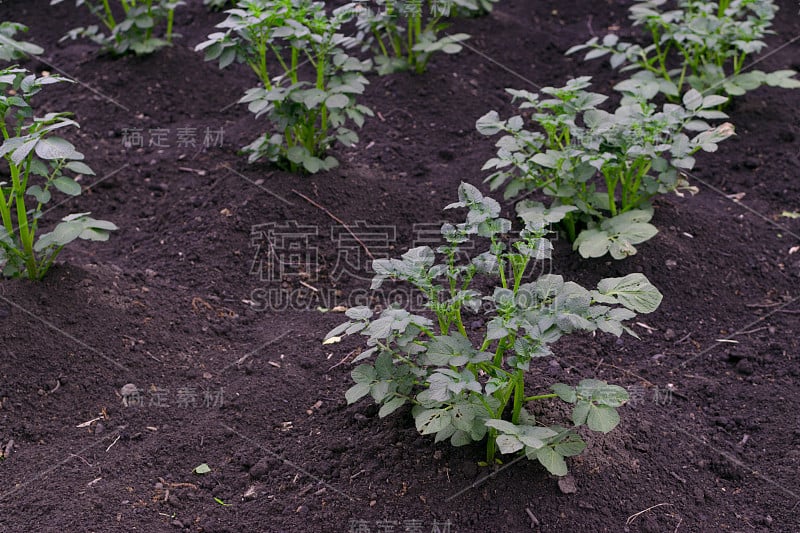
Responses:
[337,101]
[570,448]
[67,185]
[432,420]
[391,406]
[452,350]
[602,418]
[592,243]
[364,374]
[313,97]
[489,124]
[552,461]
[80,168]
[565,392]
[693,99]
[202,469]
[580,413]
[41,196]
[63,234]
[356,392]
[502,425]
[360,312]
[508,443]
[380,390]
[56,148]
[634,291]
[23,150]
[463,416]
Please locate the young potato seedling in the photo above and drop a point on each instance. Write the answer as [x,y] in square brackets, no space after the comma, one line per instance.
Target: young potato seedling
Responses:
[38,162]
[136,33]
[404,34]
[702,44]
[634,154]
[469,386]
[307,107]
[10,48]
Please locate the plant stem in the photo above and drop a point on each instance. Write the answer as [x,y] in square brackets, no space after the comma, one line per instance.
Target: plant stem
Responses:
[170,22]
[109,21]
[539,397]
[519,395]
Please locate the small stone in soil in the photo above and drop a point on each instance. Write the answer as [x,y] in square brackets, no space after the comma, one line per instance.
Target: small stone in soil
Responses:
[567,485]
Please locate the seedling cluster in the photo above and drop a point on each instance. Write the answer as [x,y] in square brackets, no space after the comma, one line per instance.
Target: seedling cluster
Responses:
[308,108]
[599,169]
[39,163]
[702,44]
[467,387]
[136,33]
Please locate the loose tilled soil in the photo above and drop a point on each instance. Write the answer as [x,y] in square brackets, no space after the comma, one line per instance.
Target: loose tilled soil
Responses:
[171,304]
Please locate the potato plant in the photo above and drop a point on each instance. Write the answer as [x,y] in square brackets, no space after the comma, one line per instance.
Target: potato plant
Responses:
[404,34]
[602,168]
[39,163]
[701,44]
[12,49]
[470,386]
[135,33]
[307,108]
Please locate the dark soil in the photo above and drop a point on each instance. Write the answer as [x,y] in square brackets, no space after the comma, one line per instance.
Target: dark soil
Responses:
[175,302]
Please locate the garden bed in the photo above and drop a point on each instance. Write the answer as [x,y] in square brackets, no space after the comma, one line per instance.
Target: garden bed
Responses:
[174,303]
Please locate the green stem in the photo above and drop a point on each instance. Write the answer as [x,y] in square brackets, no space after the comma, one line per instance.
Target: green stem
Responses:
[25,235]
[569,224]
[519,396]
[491,445]
[109,21]
[149,32]
[611,185]
[170,22]
[539,397]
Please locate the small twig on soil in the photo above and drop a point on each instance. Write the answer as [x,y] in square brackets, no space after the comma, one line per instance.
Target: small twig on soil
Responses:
[684,338]
[752,331]
[396,110]
[357,474]
[273,341]
[633,517]
[82,459]
[113,443]
[789,311]
[676,476]
[337,219]
[764,306]
[345,358]
[589,26]
[8,449]
[198,171]
[534,520]
[306,285]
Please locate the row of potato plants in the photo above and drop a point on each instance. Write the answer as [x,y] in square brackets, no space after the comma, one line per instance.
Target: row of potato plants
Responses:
[600,169]
[308,107]
[462,387]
